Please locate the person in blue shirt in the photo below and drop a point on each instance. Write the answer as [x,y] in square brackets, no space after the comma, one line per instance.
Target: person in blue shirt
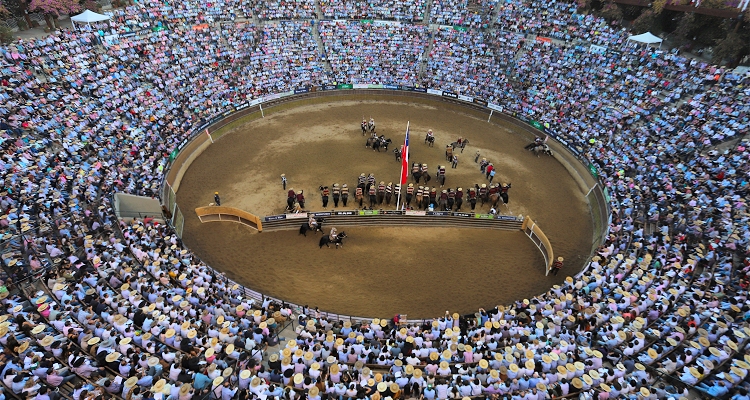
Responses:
[201,381]
[716,390]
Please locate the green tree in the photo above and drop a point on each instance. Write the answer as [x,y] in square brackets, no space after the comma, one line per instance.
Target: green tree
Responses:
[731,48]
[611,12]
[645,22]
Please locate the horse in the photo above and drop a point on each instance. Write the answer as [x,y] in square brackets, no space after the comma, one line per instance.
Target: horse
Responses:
[326,240]
[371,142]
[429,140]
[460,145]
[441,179]
[381,142]
[542,149]
[494,199]
[397,153]
[426,176]
[306,227]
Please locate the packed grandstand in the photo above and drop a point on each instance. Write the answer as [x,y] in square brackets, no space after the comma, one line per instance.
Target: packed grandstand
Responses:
[97,308]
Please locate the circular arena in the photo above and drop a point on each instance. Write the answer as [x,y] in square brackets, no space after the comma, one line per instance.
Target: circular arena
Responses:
[329,142]
[160,105]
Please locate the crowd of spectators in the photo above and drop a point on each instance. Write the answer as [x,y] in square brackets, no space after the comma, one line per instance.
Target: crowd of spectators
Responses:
[374,53]
[558,20]
[470,13]
[122,309]
[406,11]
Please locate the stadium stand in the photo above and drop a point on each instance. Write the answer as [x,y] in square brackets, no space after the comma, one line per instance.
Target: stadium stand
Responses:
[98,308]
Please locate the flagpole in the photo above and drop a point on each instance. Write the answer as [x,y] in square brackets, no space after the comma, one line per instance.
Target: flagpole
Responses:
[398,201]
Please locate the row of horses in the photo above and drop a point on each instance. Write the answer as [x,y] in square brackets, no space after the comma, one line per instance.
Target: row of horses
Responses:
[378,142]
[316,225]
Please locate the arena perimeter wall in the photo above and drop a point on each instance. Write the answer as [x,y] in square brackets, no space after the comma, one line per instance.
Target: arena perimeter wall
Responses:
[573,159]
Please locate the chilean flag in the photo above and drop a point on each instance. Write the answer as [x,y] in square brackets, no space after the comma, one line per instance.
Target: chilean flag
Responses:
[405,158]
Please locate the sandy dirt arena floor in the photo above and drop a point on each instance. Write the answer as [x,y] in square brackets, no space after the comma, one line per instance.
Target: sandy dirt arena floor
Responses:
[381,271]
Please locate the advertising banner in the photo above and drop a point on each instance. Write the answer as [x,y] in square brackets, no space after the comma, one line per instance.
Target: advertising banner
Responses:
[506,218]
[495,107]
[301,90]
[344,213]
[436,92]
[392,87]
[413,212]
[460,214]
[274,217]
[439,213]
[391,212]
[481,102]
[329,87]
[374,86]
[345,86]
[368,212]
[450,95]
[322,214]
[484,216]
[360,86]
[466,98]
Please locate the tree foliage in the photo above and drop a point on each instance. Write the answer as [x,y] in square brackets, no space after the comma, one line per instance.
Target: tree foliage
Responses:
[730,48]
[611,12]
[645,22]
[55,7]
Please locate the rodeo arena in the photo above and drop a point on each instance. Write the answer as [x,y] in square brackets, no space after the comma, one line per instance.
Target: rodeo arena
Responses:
[99,123]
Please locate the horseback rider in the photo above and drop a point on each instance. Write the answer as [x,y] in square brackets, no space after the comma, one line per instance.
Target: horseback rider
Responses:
[441,175]
[420,193]
[483,164]
[415,174]
[397,152]
[429,138]
[409,194]
[344,194]
[336,194]
[388,193]
[324,193]
[459,198]
[290,199]
[371,180]
[361,180]
[538,141]
[397,193]
[451,199]
[312,223]
[301,198]
[504,192]
[371,125]
[333,234]
[364,126]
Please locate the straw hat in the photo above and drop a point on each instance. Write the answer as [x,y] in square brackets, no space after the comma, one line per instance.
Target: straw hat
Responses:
[184,389]
[112,357]
[126,340]
[334,368]
[46,341]
[170,333]
[640,367]
[313,391]
[513,367]
[131,382]
[444,365]
[645,392]
[210,352]
[229,349]
[587,379]
[227,372]
[652,353]
[38,329]
[483,364]
[218,381]
[562,370]
[529,364]
[605,387]
[298,378]
[93,341]
[577,383]
[382,387]
[153,361]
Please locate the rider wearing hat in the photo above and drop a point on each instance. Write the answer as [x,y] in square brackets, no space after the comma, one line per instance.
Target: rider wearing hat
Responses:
[381,192]
[324,194]
[217,199]
[388,193]
[459,198]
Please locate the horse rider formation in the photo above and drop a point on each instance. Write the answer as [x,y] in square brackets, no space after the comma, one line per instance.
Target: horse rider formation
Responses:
[370,194]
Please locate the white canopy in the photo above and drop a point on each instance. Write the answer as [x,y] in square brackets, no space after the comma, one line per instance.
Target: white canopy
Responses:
[647,38]
[88,17]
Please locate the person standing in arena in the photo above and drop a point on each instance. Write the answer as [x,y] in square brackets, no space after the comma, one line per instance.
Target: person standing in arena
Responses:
[557,266]
[344,194]
[459,198]
[324,193]
[301,198]
[336,191]
[283,181]
[372,192]
[359,195]
[217,199]
[409,194]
